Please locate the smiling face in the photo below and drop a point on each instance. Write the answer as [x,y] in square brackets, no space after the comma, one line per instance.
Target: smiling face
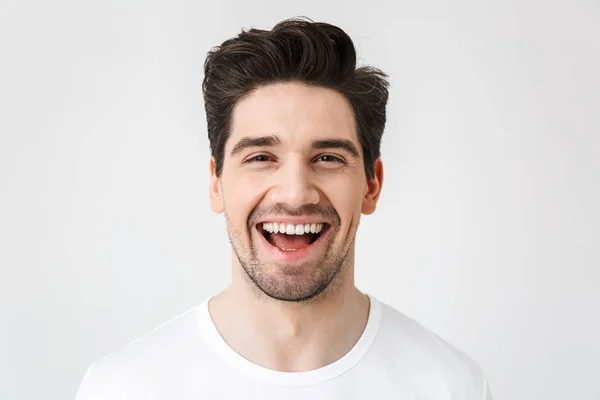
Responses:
[293,187]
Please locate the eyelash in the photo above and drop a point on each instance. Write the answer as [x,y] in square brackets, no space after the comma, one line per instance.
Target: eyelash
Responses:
[254,159]
[337,160]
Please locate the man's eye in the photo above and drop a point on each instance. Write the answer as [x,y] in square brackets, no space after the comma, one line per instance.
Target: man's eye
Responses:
[328,158]
[259,158]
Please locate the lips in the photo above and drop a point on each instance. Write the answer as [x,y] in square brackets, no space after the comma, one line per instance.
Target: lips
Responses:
[291,248]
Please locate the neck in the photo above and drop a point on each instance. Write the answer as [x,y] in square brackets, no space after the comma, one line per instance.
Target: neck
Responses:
[290,336]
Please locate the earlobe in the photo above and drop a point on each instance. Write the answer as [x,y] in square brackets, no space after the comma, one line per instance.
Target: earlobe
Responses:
[215,193]
[373,189]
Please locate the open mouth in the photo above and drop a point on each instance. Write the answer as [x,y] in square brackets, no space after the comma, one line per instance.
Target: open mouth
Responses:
[288,237]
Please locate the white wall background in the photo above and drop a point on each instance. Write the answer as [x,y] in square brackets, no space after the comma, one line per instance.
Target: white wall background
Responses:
[488,228]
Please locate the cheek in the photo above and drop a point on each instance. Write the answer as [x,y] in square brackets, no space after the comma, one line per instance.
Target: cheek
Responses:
[346,196]
[242,194]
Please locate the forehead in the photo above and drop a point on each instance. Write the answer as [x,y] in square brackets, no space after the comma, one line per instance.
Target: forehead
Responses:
[295,112]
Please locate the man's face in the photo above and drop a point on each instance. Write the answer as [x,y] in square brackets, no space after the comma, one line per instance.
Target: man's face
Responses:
[293,187]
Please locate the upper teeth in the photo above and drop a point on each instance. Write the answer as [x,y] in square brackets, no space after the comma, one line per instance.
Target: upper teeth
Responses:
[290,229]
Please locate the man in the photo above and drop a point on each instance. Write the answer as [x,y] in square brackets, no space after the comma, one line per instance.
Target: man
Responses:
[295,130]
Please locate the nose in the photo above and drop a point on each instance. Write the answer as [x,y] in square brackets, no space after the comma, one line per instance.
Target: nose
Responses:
[294,186]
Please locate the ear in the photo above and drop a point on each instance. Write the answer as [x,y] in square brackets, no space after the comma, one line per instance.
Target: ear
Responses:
[373,189]
[215,193]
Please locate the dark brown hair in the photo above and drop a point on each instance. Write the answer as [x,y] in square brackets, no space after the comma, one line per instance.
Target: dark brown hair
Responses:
[298,50]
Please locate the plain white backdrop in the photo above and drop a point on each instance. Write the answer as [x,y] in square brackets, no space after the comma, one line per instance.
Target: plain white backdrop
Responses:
[488,229]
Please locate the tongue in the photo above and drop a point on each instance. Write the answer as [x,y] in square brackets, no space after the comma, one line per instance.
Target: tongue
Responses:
[290,242]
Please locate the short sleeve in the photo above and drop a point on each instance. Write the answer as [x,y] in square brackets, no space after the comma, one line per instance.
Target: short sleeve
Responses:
[487,392]
[85,391]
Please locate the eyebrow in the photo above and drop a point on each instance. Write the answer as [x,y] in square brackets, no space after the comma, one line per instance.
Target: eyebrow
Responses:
[272,140]
[343,144]
[248,142]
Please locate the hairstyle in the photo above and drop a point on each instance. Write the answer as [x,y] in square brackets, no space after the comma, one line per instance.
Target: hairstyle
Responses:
[295,50]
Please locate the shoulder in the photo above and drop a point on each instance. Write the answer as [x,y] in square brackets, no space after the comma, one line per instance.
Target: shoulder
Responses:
[142,364]
[414,349]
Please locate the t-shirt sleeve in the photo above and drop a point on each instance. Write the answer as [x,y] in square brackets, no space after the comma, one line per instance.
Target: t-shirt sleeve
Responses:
[487,394]
[86,390]
[110,380]
[106,382]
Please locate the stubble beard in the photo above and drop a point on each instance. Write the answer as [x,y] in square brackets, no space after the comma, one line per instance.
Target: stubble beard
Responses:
[296,286]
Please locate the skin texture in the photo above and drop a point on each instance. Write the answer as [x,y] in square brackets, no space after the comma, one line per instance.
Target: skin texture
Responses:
[304,314]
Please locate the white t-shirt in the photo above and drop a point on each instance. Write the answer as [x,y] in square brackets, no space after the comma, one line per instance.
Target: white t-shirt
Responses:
[186,358]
